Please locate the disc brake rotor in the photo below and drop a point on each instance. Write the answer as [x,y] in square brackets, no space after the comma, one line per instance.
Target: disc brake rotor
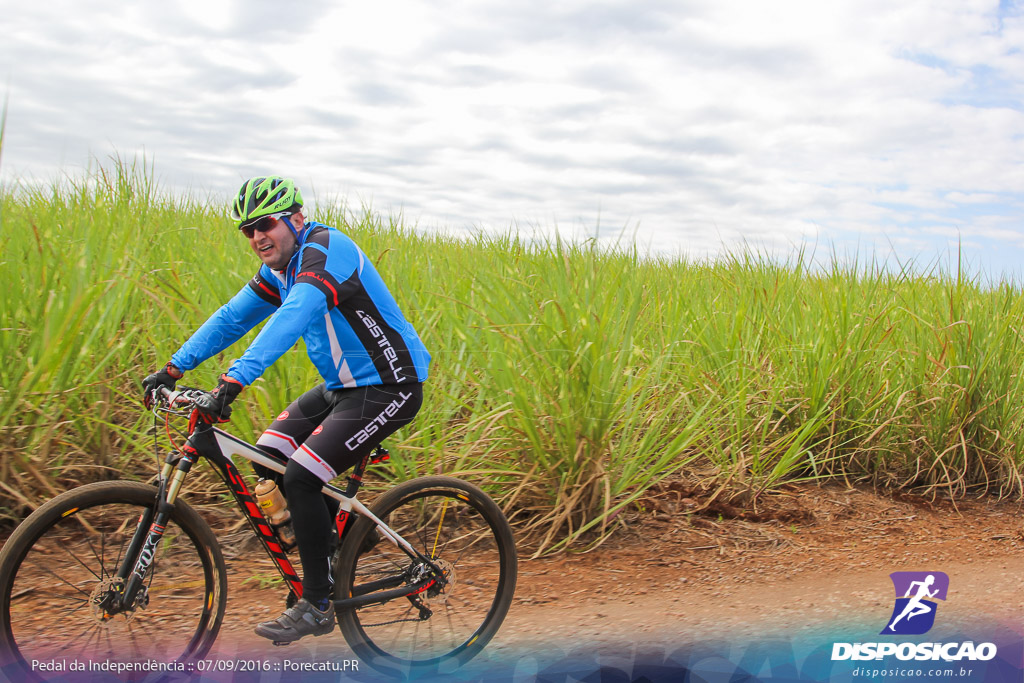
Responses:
[106,594]
[437,592]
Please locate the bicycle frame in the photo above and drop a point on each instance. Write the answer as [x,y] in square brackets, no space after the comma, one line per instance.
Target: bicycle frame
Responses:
[219,448]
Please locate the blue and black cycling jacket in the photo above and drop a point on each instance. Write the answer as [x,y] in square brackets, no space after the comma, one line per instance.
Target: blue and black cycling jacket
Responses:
[330,295]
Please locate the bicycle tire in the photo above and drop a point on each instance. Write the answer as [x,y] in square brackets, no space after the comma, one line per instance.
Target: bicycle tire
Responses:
[459,527]
[61,558]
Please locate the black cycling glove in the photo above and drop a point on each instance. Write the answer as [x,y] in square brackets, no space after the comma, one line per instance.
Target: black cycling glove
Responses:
[215,406]
[167,377]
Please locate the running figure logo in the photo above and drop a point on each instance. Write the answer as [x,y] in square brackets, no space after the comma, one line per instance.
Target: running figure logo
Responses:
[916,595]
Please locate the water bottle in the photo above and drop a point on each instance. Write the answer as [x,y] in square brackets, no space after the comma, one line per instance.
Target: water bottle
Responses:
[270,500]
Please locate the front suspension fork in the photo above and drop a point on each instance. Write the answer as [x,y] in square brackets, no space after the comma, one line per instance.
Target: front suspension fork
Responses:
[139,558]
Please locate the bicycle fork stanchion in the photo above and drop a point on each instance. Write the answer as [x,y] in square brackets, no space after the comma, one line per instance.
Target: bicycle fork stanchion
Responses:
[142,550]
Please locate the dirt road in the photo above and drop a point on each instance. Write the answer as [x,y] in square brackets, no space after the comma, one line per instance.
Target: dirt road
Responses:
[809,568]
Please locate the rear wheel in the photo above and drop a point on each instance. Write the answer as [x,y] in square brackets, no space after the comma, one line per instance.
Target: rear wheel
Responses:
[58,572]
[469,544]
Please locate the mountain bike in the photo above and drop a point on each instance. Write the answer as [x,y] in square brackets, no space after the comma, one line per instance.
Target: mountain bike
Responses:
[128,571]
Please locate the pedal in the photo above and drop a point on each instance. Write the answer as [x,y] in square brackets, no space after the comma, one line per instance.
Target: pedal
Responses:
[281,643]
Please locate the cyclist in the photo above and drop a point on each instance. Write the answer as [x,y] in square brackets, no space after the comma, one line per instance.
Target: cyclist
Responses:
[315,283]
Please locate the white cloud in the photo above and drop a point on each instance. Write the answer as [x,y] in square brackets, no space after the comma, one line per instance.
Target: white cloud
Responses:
[689,124]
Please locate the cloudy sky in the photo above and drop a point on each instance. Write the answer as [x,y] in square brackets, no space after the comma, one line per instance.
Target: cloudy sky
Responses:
[691,126]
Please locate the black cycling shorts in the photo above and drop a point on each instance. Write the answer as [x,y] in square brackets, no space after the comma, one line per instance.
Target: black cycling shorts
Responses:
[327,432]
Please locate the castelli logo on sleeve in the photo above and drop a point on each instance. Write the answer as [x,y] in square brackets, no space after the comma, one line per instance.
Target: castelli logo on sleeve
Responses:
[319,429]
[283,415]
[384,343]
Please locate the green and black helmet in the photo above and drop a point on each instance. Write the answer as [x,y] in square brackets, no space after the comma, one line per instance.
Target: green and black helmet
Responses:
[264,196]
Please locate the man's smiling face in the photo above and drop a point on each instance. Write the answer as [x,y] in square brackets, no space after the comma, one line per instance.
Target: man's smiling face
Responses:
[274,242]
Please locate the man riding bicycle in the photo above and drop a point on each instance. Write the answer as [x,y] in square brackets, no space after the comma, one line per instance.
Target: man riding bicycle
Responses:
[315,283]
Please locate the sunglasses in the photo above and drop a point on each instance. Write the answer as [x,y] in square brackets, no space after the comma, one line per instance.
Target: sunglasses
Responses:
[262,224]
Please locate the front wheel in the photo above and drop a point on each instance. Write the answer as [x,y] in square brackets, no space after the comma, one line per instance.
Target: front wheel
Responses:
[59,569]
[467,538]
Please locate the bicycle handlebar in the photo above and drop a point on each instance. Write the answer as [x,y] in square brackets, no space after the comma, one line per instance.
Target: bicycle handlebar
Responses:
[181,398]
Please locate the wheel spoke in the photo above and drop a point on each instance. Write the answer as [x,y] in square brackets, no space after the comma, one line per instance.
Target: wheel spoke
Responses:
[61,579]
[466,537]
[440,526]
[59,575]
[77,559]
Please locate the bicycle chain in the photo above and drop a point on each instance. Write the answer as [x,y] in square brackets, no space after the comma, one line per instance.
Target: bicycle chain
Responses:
[418,604]
[388,623]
